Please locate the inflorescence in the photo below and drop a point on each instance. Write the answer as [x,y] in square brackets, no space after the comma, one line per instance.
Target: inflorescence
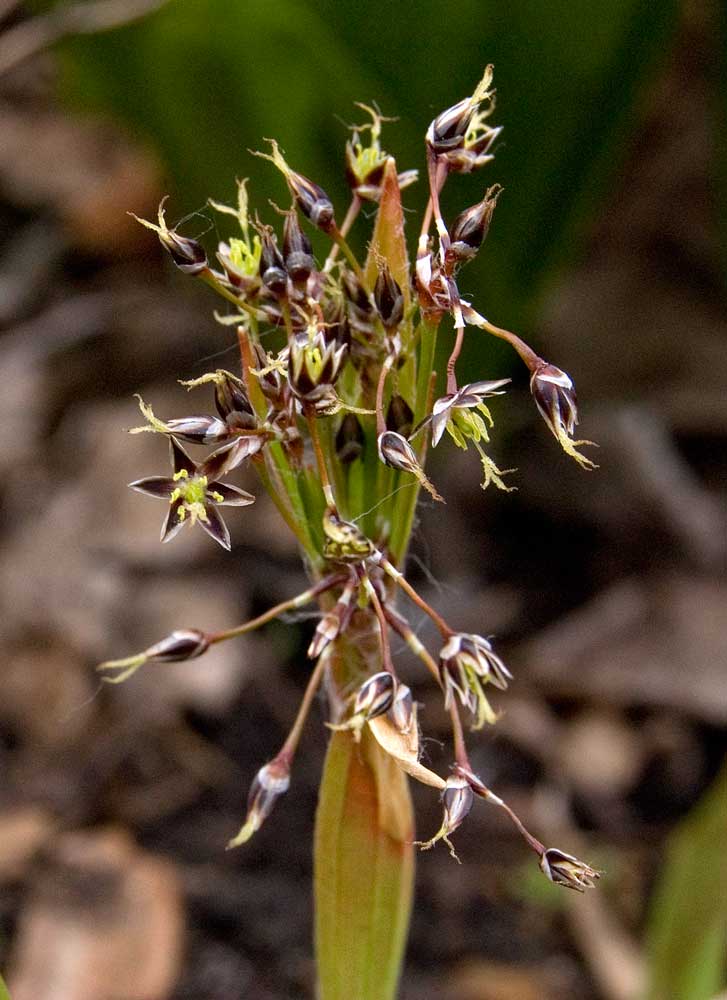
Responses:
[337,420]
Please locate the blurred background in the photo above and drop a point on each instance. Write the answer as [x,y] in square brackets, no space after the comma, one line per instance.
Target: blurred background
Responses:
[605,590]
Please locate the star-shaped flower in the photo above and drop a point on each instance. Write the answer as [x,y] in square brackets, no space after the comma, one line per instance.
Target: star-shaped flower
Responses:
[471,396]
[194,495]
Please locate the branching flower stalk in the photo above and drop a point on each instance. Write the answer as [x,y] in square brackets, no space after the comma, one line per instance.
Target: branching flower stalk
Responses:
[336,418]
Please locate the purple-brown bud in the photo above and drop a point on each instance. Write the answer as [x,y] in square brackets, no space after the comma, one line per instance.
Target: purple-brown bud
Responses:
[457,799]
[470,228]
[272,266]
[555,398]
[182,644]
[199,430]
[396,452]
[297,250]
[448,130]
[388,298]
[271,781]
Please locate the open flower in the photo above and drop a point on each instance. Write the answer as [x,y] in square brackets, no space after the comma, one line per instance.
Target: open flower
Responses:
[466,663]
[365,164]
[193,497]
[445,412]
[564,869]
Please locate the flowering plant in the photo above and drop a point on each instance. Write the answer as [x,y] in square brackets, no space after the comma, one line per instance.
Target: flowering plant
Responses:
[336,421]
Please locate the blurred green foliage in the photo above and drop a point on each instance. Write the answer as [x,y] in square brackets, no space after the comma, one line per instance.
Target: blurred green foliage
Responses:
[206,80]
[688,927]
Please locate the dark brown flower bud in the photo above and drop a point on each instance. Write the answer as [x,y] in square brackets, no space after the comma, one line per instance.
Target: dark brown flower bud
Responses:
[388,298]
[313,202]
[182,644]
[399,416]
[271,781]
[297,250]
[199,430]
[564,869]
[448,130]
[272,266]
[230,395]
[349,439]
[396,452]
[189,255]
[470,228]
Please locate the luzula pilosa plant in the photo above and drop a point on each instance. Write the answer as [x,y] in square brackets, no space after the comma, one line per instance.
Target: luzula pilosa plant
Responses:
[336,421]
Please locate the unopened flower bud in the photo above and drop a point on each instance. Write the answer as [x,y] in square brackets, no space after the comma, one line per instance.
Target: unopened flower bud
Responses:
[311,199]
[470,228]
[271,781]
[297,250]
[188,254]
[272,266]
[388,298]
[182,644]
[448,130]
[199,430]
[457,799]
[396,452]
[564,869]
[230,395]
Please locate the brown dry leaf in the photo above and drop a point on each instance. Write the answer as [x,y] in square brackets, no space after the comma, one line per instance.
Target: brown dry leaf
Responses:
[104,923]
[404,749]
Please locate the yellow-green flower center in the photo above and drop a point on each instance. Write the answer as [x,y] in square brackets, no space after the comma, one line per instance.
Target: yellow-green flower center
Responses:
[194,494]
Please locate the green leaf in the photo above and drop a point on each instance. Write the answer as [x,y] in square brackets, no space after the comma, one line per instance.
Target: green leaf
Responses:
[364,870]
[4,994]
[688,928]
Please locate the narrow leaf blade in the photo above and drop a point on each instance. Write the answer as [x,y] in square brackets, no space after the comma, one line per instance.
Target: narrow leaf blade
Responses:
[364,870]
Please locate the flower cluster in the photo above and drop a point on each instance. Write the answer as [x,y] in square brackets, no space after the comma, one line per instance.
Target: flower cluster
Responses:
[335,413]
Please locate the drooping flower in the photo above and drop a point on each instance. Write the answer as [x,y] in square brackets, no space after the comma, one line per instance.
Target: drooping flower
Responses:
[564,869]
[457,799]
[193,495]
[271,781]
[466,663]
[188,254]
[555,397]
